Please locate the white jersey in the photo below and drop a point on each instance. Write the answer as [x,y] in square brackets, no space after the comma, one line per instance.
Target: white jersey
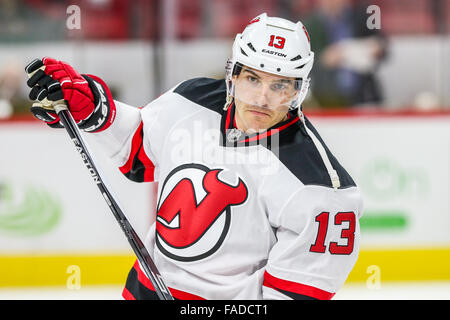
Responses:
[238,216]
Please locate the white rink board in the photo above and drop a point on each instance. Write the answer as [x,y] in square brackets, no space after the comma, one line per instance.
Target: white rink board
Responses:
[37,157]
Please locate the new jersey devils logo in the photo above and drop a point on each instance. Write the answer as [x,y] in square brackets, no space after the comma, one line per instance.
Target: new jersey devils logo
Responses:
[194,212]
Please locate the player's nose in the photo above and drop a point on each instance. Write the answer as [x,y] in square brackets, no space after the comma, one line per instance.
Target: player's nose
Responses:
[262,97]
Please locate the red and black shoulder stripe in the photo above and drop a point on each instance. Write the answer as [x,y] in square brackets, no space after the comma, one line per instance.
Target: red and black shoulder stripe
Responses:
[139,167]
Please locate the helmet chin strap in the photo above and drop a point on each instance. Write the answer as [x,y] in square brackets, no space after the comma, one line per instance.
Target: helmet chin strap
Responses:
[323,154]
[230,97]
[334,177]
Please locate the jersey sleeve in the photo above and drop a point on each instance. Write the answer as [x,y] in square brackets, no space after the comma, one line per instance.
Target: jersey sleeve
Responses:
[317,244]
[132,141]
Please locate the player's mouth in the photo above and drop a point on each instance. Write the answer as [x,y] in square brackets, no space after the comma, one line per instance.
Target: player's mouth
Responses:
[259,113]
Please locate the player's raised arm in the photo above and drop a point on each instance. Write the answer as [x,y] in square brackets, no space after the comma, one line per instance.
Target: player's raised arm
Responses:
[117,126]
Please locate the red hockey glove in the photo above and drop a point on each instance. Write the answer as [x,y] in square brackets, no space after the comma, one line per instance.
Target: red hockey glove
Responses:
[88,98]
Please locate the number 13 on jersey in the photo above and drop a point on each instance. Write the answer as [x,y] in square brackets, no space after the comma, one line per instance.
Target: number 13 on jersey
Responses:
[346,233]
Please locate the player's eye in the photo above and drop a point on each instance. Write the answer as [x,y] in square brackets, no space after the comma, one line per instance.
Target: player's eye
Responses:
[277,86]
[252,79]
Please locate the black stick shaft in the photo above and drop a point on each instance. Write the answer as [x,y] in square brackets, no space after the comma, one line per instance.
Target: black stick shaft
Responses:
[137,245]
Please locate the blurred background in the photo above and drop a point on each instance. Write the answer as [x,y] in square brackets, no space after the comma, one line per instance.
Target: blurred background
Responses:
[380,98]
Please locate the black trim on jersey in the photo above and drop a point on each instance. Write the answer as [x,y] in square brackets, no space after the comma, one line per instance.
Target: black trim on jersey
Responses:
[137,171]
[299,154]
[137,289]
[141,164]
[295,296]
[209,93]
[296,149]
[302,158]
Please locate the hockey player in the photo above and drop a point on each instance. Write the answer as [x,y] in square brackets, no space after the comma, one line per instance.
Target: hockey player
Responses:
[251,202]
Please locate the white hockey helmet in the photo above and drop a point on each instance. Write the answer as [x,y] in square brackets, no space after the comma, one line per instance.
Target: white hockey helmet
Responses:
[274,45]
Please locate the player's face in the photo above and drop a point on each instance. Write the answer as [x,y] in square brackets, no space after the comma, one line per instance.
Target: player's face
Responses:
[262,99]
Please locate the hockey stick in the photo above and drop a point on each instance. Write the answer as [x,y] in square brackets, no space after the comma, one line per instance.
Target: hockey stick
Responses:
[137,245]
